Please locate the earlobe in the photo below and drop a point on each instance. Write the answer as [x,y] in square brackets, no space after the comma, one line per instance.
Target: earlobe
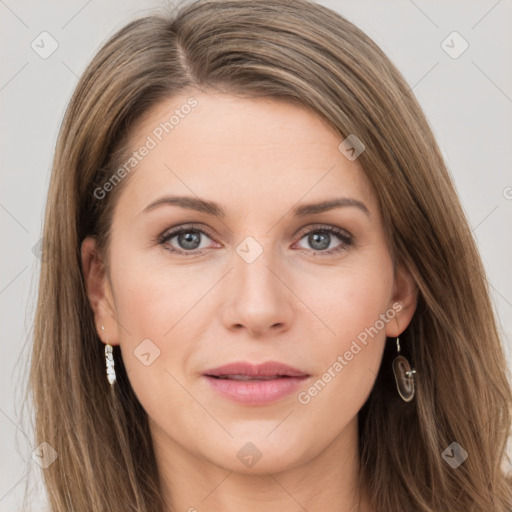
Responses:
[98,291]
[404,302]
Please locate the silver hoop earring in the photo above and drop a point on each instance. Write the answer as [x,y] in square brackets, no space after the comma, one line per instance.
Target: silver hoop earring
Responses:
[404,375]
[109,358]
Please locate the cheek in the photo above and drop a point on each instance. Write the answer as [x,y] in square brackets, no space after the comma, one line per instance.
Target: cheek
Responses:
[347,363]
[158,307]
[152,298]
[354,307]
[350,300]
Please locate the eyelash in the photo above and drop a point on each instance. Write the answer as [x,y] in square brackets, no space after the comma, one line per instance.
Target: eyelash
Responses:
[343,236]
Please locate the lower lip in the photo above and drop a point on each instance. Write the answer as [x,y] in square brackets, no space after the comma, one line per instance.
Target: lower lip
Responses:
[259,392]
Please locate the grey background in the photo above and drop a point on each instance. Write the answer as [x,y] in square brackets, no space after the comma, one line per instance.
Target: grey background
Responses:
[468,101]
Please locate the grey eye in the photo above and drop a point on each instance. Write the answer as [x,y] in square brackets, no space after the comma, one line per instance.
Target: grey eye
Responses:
[189,240]
[319,241]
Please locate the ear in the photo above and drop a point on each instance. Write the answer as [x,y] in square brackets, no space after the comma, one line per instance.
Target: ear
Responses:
[99,292]
[404,301]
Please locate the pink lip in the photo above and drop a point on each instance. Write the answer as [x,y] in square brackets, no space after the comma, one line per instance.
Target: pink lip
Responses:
[255,392]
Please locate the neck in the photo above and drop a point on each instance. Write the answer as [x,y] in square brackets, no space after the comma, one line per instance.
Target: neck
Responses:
[328,481]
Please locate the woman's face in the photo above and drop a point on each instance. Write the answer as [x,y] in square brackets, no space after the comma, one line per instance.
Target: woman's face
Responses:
[259,274]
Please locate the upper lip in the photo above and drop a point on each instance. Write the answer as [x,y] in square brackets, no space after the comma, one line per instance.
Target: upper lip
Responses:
[267,369]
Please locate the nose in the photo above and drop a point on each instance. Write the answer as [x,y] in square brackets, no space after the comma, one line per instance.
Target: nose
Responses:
[258,298]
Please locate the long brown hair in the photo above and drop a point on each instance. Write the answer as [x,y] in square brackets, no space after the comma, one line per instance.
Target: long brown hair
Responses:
[305,53]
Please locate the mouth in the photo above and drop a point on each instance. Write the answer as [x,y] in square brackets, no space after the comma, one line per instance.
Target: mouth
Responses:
[248,378]
[260,384]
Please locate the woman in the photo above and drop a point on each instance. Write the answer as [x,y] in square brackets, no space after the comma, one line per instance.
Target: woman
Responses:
[262,289]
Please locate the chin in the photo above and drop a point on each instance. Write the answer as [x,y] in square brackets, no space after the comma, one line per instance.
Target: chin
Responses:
[258,457]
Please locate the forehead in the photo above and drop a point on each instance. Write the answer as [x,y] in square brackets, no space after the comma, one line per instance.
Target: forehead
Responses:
[265,151]
[266,118]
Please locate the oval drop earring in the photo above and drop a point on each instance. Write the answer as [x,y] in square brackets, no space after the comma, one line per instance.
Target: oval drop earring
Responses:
[404,375]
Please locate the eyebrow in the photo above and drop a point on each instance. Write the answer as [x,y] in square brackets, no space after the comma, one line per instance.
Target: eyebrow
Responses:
[212,208]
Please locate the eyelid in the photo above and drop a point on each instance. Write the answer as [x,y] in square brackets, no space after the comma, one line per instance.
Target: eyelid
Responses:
[345,237]
[327,227]
[206,230]
[175,230]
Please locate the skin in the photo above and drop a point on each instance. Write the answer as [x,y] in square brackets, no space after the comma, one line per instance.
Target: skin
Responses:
[258,159]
